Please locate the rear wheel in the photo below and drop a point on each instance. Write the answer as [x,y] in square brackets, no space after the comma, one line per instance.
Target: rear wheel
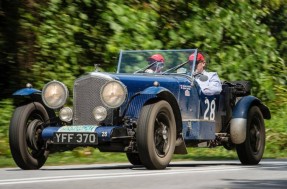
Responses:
[26,144]
[156,134]
[251,151]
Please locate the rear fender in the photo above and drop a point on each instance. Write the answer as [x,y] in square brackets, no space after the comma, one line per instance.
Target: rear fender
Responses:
[240,114]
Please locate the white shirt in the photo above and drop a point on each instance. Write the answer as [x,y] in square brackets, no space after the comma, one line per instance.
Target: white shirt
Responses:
[212,86]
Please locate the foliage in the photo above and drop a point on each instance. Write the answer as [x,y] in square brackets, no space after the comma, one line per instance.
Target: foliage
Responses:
[6,109]
[276,133]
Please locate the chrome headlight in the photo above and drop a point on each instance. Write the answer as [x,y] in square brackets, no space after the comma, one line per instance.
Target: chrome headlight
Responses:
[100,113]
[66,114]
[55,94]
[113,94]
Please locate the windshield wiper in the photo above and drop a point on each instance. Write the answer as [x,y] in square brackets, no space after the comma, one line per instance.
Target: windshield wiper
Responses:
[176,67]
[145,68]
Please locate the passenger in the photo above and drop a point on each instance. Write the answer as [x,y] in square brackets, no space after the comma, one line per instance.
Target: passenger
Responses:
[157,62]
[211,85]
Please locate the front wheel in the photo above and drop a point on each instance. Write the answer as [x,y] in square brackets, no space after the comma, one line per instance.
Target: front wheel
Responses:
[251,151]
[156,135]
[134,158]
[26,144]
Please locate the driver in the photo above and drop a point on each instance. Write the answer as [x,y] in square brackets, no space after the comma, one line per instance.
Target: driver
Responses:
[157,62]
[209,86]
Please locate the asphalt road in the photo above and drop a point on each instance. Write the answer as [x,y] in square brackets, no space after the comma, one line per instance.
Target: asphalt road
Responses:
[192,174]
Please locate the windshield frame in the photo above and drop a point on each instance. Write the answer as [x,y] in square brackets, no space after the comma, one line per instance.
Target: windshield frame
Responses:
[176,66]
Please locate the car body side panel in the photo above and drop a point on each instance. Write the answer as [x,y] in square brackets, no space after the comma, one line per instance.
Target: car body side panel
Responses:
[188,97]
[198,130]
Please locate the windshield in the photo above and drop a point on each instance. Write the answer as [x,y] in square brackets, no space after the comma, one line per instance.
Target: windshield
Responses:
[156,61]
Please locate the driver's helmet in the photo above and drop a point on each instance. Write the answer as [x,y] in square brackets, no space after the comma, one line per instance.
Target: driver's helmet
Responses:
[199,57]
[158,62]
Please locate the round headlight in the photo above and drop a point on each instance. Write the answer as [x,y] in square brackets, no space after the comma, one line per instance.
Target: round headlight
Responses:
[100,113]
[113,94]
[66,114]
[55,94]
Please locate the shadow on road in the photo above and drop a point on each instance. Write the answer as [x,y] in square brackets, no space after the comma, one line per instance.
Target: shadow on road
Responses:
[255,184]
[189,164]
[128,166]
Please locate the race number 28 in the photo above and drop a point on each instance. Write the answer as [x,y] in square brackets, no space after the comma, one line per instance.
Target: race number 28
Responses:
[210,109]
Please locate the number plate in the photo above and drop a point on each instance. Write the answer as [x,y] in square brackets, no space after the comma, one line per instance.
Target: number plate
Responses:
[75,138]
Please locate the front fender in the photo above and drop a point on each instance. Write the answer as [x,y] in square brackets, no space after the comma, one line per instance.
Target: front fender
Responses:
[134,105]
[26,95]
[165,94]
[26,92]
[34,95]
[153,90]
[240,114]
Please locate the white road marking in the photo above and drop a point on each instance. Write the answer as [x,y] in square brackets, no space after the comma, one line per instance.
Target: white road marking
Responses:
[114,175]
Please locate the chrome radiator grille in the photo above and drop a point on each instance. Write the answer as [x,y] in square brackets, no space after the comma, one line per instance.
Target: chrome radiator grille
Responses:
[87,96]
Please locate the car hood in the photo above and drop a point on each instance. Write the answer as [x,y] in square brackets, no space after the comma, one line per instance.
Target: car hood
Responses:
[139,82]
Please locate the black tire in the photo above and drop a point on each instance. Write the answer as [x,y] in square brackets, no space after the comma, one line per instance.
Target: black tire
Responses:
[26,144]
[156,135]
[251,151]
[134,158]
[228,146]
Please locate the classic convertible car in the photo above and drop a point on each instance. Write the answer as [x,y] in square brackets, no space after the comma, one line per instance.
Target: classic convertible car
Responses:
[147,113]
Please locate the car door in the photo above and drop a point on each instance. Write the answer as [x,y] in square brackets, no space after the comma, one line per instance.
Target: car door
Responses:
[200,115]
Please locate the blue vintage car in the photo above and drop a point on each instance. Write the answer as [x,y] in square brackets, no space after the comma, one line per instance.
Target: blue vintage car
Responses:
[148,110]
